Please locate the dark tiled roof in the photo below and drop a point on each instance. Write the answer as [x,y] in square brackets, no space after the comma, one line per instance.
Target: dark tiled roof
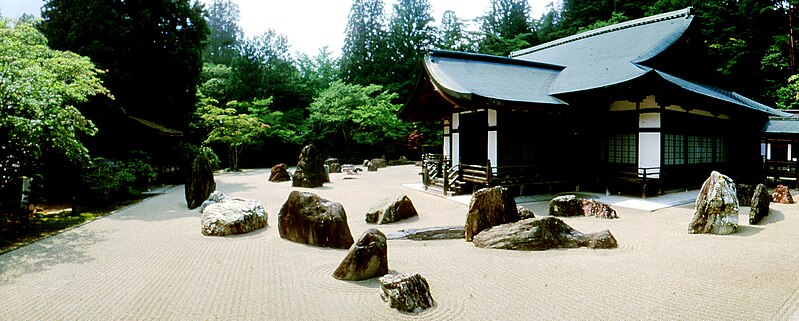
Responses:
[464,75]
[782,126]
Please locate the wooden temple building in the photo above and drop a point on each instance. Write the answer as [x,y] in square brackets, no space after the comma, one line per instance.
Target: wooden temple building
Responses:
[603,110]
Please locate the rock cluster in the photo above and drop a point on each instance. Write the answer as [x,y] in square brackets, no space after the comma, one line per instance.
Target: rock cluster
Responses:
[307,218]
[199,182]
[716,207]
[537,234]
[782,195]
[280,173]
[391,209]
[366,259]
[489,207]
[224,215]
[379,162]
[310,169]
[406,292]
[760,204]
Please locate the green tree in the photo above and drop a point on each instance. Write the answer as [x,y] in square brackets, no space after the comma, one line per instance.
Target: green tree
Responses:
[506,27]
[39,89]
[346,115]
[213,81]
[364,56]
[452,34]
[411,34]
[228,127]
[151,49]
[225,33]
[318,72]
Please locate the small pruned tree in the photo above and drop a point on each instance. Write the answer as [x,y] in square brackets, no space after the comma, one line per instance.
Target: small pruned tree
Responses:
[228,127]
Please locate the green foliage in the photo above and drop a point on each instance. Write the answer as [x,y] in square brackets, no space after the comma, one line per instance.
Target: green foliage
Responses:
[213,81]
[109,180]
[318,72]
[229,128]
[411,33]
[616,17]
[348,114]
[225,33]
[452,34]
[788,96]
[284,126]
[364,56]
[506,27]
[151,49]
[39,88]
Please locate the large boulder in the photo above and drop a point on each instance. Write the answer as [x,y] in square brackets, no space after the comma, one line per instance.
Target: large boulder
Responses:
[744,193]
[199,182]
[716,207]
[428,233]
[307,218]
[371,167]
[232,215]
[489,207]
[367,258]
[391,209]
[538,234]
[379,162]
[566,205]
[406,292]
[280,173]
[597,209]
[760,204]
[782,195]
[310,169]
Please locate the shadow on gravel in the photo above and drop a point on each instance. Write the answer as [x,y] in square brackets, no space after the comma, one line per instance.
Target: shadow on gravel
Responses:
[65,248]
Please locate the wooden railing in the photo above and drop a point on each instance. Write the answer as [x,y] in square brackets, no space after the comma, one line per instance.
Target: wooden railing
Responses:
[644,176]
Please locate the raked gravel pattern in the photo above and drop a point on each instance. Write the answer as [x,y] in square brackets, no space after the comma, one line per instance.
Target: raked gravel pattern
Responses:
[149,261]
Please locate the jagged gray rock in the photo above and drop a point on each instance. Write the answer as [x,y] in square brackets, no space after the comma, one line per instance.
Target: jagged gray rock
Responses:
[406,292]
[310,169]
[307,218]
[391,209]
[231,215]
[524,213]
[489,207]
[760,204]
[744,193]
[366,259]
[716,207]
[537,234]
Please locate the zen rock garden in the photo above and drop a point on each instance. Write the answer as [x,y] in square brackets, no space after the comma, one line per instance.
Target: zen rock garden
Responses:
[493,221]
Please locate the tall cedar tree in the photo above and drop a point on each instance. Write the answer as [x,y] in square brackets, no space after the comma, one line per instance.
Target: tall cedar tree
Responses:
[452,34]
[411,34]
[365,56]
[151,49]
[506,27]
[225,33]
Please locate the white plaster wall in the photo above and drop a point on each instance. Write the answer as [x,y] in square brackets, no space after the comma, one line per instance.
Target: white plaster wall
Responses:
[492,117]
[456,153]
[448,146]
[649,120]
[455,120]
[649,150]
[492,148]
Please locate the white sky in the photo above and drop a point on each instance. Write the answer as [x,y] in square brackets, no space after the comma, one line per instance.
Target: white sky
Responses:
[308,24]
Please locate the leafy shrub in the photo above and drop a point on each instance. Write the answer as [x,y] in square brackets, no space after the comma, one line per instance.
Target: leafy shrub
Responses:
[107,180]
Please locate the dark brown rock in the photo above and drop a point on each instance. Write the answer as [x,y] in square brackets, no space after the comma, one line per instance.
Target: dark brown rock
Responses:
[371,167]
[307,218]
[489,207]
[379,162]
[428,233]
[760,204]
[524,213]
[782,195]
[310,169]
[566,205]
[406,292]
[538,234]
[199,183]
[335,168]
[597,209]
[391,209]
[744,193]
[367,258]
[716,207]
[280,173]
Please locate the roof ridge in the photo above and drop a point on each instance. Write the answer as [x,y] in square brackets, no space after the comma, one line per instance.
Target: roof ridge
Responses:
[491,58]
[615,27]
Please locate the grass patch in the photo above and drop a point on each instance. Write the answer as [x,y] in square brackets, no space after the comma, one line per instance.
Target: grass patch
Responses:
[53,221]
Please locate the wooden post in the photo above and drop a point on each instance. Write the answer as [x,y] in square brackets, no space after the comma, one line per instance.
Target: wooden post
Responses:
[445,172]
[425,174]
[489,174]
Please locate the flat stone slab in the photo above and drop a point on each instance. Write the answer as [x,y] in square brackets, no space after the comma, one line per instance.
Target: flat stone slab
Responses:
[428,233]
